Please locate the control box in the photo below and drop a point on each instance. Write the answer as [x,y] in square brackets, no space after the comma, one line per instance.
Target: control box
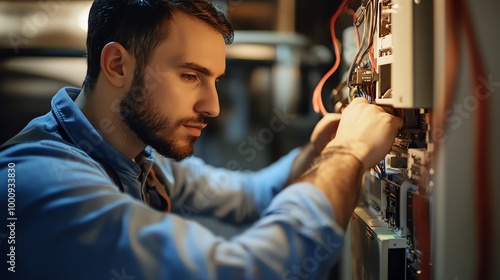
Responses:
[378,252]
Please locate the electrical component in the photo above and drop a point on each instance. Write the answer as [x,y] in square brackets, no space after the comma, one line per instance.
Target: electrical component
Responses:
[379,252]
[363,77]
[361,12]
[360,15]
[397,162]
[417,164]
[385,21]
[394,203]
[404,53]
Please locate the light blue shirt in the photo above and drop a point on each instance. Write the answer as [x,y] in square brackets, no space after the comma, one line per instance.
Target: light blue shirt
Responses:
[70,220]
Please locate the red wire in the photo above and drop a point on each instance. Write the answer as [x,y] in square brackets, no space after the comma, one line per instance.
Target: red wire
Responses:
[354,19]
[317,100]
[372,59]
[370,52]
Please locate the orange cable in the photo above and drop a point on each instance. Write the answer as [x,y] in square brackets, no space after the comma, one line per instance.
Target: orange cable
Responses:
[317,100]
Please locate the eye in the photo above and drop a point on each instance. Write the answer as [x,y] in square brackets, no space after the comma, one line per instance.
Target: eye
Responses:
[189,77]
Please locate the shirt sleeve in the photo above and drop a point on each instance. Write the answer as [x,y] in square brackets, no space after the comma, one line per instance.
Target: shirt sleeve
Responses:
[73,223]
[233,196]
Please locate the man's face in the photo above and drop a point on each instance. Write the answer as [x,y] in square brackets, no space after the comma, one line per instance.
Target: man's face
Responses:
[172,100]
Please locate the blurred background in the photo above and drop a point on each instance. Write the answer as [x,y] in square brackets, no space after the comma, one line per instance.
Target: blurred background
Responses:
[281,50]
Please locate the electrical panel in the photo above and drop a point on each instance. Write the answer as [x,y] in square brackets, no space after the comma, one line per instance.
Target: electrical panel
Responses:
[390,230]
[403,49]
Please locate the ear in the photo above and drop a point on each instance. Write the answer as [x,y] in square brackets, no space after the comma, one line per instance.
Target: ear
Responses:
[116,64]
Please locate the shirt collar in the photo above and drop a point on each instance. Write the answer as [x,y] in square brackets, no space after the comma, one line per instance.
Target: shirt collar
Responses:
[85,136]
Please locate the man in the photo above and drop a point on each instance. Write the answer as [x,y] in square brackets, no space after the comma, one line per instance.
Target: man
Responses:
[91,198]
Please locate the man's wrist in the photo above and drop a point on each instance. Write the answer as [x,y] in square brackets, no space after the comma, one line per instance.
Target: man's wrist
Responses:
[331,151]
[311,149]
[302,161]
[358,150]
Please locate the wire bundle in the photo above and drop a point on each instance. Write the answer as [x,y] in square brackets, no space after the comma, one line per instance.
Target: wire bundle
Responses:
[367,39]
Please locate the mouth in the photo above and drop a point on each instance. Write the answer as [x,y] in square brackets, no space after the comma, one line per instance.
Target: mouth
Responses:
[194,128]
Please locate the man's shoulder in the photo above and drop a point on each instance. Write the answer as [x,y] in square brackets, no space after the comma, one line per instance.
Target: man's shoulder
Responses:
[40,149]
[39,139]
[50,166]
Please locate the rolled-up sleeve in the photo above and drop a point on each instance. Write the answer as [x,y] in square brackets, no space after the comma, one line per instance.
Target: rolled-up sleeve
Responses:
[234,196]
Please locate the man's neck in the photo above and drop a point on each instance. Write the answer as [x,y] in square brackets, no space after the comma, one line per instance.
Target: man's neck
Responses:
[102,109]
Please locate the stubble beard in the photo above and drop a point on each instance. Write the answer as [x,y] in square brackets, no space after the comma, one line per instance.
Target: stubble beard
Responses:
[145,119]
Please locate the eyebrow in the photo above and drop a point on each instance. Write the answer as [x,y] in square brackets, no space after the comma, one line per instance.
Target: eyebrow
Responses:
[198,68]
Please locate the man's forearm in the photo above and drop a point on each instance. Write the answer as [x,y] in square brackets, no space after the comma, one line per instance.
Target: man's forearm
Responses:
[302,162]
[338,175]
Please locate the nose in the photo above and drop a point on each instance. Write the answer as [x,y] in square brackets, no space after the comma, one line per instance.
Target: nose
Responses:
[208,104]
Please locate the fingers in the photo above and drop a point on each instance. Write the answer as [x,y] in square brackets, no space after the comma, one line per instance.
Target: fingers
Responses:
[397,122]
[358,100]
[368,130]
[332,117]
[324,131]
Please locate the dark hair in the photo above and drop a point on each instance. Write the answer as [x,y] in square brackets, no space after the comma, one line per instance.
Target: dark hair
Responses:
[137,25]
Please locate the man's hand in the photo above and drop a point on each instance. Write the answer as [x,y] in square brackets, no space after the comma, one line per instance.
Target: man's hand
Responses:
[324,131]
[322,134]
[364,136]
[367,131]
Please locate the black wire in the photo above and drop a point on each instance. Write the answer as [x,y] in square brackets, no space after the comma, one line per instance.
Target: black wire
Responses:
[354,62]
[373,14]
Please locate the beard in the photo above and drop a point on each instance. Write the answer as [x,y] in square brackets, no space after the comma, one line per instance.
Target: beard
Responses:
[139,112]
